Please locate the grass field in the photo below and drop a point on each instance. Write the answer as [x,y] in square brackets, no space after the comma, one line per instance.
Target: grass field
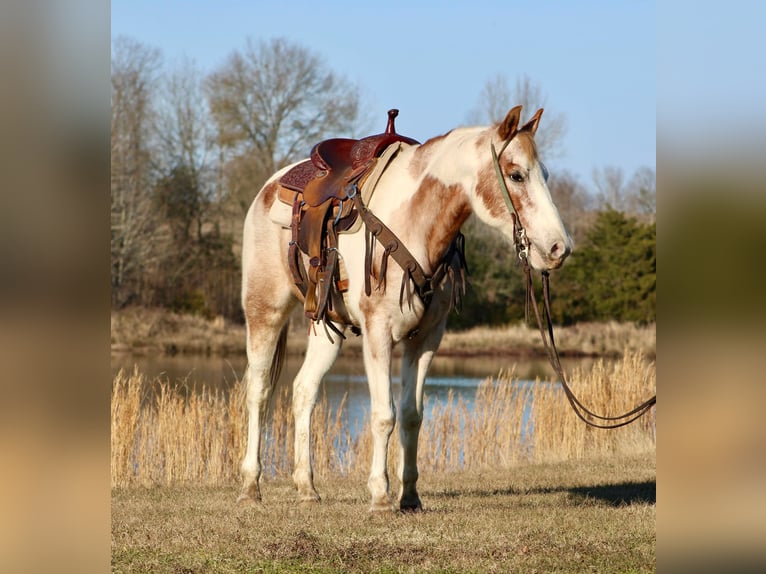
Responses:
[595,515]
[568,499]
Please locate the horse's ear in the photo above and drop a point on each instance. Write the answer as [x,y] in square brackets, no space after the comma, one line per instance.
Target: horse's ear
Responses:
[508,127]
[531,125]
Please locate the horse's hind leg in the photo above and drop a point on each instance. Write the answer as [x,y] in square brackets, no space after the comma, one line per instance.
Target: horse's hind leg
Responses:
[418,353]
[266,313]
[321,353]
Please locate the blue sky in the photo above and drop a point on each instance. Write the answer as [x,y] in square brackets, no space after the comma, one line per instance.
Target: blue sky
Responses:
[595,60]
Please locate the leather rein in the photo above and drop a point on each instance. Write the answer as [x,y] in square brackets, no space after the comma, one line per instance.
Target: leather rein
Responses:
[521,244]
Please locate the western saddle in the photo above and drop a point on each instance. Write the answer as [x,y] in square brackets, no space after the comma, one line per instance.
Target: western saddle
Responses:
[326,200]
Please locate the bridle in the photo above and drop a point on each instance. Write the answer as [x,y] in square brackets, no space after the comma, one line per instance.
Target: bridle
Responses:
[521,244]
[520,239]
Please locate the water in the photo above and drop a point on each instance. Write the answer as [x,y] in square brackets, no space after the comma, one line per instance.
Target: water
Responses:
[459,376]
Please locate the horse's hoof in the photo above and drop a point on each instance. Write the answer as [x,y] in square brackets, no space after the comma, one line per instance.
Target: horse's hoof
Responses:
[310,499]
[247,501]
[412,506]
[382,506]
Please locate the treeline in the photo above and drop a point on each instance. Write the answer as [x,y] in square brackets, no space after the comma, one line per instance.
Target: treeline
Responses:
[190,151]
[611,275]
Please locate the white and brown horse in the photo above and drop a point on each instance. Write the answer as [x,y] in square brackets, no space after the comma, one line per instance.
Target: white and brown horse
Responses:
[424,196]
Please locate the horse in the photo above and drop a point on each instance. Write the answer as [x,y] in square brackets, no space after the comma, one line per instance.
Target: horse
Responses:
[424,196]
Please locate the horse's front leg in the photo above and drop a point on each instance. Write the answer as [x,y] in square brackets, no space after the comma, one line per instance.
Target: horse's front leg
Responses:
[321,353]
[377,361]
[418,354]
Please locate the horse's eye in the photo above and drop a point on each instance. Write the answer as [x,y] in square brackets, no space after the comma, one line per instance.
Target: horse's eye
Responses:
[517,177]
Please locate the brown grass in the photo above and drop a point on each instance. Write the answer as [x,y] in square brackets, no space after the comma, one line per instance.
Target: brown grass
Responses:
[141,330]
[609,339]
[578,516]
[163,434]
[146,331]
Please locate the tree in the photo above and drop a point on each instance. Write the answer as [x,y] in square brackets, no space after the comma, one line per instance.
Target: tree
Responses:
[185,155]
[199,272]
[573,203]
[496,98]
[182,205]
[496,283]
[133,218]
[271,103]
[612,276]
[610,189]
[642,188]
[186,134]
[637,197]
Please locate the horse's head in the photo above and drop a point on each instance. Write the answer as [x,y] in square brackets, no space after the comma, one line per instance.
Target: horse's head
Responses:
[514,195]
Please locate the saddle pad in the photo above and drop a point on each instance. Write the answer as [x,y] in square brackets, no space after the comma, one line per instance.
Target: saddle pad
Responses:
[281,211]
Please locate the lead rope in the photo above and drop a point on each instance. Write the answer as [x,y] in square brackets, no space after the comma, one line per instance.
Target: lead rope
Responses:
[521,243]
[553,356]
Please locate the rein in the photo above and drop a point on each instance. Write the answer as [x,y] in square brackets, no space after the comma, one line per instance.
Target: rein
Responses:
[553,356]
[521,243]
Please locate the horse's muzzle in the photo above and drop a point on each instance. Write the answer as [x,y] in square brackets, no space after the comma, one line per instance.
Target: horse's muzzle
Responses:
[558,252]
[551,257]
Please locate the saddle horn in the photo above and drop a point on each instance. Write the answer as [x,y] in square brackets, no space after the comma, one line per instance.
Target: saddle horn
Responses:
[392,113]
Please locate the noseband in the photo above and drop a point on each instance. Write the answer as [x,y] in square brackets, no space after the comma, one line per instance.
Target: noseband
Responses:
[521,243]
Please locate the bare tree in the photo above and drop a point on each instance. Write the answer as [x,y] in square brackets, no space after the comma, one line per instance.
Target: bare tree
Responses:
[273,101]
[573,203]
[496,98]
[636,197]
[200,273]
[133,221]
[642,190]
[610,188]
[187,147]
[186,132]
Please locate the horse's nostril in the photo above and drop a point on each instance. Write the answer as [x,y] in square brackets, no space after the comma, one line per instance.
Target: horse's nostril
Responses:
[559,250]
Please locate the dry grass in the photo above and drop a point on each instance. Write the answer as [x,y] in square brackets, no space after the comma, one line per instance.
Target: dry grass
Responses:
[494,500]
[609,339]
[139,330]
[579,516]
[163,434]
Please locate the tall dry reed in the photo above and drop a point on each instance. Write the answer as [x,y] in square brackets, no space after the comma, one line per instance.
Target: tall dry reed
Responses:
[558,434]
[166,434]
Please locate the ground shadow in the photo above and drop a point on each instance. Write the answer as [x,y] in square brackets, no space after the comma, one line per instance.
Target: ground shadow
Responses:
[619,494]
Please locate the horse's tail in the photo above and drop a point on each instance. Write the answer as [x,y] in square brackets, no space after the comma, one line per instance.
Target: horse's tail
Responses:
[278,361]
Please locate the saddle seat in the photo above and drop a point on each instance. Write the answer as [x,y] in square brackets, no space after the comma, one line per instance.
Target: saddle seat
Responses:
[335,162]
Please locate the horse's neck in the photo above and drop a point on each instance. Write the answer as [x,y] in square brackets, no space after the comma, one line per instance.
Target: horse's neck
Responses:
[454,157]
[442,173]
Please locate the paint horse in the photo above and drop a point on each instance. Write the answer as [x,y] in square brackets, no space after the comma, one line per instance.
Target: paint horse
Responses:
[423,196]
